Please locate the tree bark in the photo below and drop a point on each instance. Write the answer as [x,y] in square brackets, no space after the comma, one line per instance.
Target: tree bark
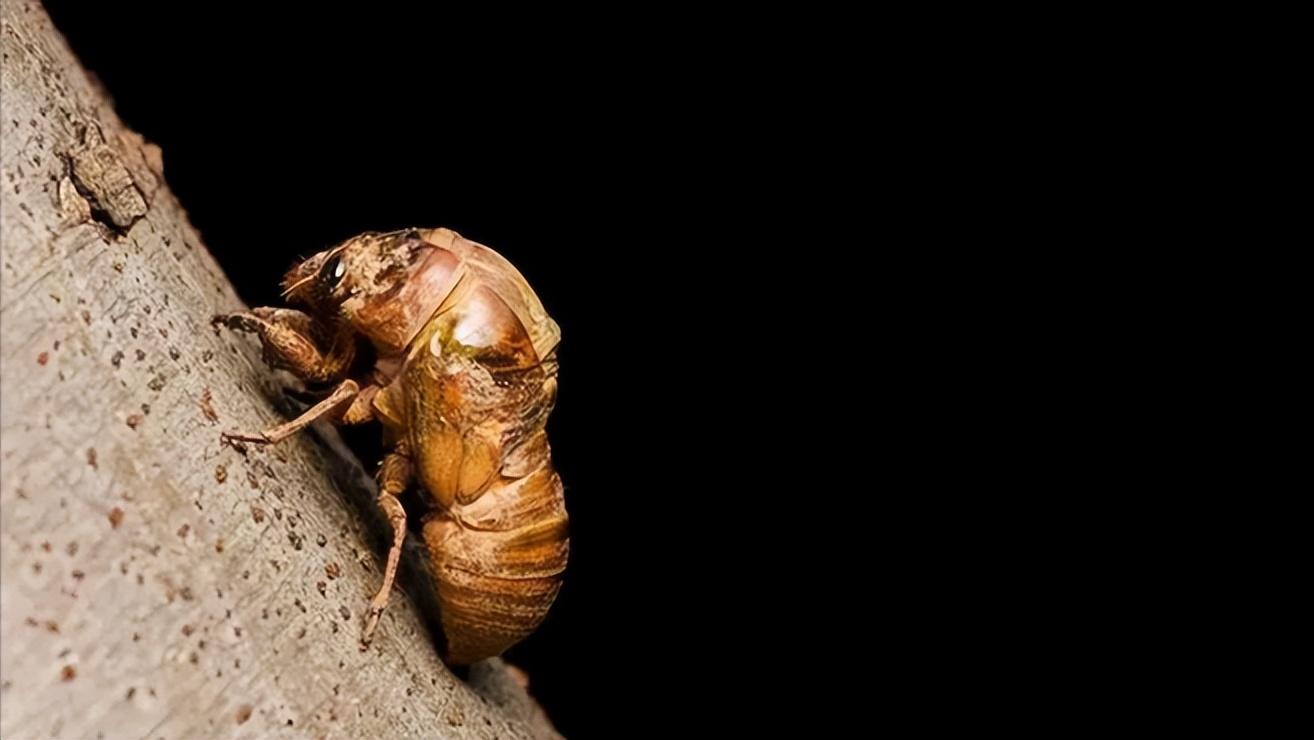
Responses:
[157,582]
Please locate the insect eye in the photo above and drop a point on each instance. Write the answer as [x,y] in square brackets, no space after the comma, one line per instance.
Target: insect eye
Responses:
[332,271]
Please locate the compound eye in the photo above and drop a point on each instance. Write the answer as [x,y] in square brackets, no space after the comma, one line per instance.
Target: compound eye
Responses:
[332,271]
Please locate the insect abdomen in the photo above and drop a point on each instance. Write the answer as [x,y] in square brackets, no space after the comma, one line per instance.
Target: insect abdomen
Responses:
[497,563]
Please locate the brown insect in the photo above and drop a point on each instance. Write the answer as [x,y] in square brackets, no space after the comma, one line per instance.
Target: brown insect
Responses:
[464,380]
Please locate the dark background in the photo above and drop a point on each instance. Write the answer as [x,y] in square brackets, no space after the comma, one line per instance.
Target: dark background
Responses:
[639,187]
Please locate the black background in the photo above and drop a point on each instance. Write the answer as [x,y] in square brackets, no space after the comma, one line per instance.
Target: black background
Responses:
[637,185]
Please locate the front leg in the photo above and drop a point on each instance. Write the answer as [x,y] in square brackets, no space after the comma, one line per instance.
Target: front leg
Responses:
[341,398]
[297,342]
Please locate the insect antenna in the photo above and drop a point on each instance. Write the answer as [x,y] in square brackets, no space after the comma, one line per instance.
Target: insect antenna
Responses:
[288,291]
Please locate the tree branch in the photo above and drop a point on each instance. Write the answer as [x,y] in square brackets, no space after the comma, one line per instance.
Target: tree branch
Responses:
[158,583]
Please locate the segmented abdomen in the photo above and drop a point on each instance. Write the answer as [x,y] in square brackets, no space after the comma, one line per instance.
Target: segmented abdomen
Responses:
[497,563]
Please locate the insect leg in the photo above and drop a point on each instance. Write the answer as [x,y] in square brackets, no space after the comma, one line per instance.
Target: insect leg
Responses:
[293,340]
[346,391]
[394,475]
[361,408]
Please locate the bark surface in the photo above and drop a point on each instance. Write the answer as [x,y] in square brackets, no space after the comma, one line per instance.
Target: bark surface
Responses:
[156,582]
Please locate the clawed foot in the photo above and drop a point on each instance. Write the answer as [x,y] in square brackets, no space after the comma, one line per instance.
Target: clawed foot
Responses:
[238,321]
[371,622]
[258,437]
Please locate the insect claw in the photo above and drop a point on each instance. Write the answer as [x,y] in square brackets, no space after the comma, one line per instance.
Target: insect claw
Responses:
[259,438]
[248,321]
[371,623]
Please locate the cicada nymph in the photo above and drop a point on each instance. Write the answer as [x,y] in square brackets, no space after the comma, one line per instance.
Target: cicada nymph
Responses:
[464,379]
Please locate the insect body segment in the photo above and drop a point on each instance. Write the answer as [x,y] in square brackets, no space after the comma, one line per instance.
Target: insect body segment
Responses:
[463,385]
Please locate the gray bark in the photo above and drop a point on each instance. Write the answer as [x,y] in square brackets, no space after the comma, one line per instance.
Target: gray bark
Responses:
[156,582]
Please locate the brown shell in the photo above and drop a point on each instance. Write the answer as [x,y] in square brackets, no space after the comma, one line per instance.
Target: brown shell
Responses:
[493,270]
[495,585]
[471,400]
